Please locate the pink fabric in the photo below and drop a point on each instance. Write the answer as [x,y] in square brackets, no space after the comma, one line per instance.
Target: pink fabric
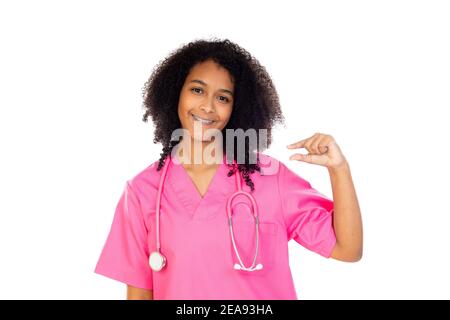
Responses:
[195,236]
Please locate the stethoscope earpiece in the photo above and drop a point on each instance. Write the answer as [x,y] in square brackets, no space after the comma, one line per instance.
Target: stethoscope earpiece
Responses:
[237,266]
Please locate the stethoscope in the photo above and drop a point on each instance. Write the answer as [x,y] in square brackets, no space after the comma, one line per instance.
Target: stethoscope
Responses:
[157,260]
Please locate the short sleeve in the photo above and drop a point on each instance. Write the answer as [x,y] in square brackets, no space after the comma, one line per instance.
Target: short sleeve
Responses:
[125,253]
[308,214]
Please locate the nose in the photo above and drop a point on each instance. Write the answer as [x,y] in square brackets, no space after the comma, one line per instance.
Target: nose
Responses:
[208,106]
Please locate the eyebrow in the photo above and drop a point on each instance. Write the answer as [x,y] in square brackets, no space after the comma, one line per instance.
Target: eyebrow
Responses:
[204,83]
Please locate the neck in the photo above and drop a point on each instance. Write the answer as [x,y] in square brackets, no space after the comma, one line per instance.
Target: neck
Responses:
[199,155]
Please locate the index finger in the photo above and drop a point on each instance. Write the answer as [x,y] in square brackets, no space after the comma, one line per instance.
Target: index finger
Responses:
[298,144]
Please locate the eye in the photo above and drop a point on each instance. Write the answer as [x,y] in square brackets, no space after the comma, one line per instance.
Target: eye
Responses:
[225,99]
[194,90]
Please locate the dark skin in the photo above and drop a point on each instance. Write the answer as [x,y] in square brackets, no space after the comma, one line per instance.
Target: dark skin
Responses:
[211,98]
[323,150]
[134,293]
[207,93]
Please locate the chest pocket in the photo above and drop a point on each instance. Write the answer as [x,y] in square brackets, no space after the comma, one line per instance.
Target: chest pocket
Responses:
[245,239]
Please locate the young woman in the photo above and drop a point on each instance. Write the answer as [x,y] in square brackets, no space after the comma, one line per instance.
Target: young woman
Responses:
[180,231]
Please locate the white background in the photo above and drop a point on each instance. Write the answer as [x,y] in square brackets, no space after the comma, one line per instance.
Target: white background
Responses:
[373,74]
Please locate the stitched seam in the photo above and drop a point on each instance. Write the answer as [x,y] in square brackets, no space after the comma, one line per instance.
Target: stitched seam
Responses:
[140,205]
[281,200]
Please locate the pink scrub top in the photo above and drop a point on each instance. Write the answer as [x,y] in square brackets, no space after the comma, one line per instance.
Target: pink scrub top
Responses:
[195,236]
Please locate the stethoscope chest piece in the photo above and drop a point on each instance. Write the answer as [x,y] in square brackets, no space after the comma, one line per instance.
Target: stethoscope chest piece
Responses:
[156,261]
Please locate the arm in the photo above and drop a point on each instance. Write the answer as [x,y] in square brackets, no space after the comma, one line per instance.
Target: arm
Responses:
[347,216]
[323,150]
[125,253]
[134,293]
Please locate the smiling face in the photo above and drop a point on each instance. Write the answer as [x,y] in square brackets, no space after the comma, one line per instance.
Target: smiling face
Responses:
[206,98]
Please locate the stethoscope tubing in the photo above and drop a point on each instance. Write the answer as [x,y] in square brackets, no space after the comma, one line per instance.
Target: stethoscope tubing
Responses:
[229,210]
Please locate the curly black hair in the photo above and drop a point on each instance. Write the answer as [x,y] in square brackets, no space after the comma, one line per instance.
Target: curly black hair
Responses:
[256,103]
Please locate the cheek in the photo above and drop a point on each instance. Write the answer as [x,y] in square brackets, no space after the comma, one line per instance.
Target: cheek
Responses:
[183,104]
[226,113]
[183,114]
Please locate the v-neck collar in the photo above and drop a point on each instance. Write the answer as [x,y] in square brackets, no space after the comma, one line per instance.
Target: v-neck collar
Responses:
[198,207]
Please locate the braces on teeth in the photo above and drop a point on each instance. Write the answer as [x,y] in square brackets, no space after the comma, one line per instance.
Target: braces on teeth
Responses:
[202,120]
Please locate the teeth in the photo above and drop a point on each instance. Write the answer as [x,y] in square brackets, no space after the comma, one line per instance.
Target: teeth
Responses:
[202,120]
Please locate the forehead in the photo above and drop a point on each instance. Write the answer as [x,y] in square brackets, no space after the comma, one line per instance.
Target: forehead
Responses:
[211,73]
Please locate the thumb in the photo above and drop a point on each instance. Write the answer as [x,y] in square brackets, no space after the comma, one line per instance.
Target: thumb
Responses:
[320,160]
[301,157]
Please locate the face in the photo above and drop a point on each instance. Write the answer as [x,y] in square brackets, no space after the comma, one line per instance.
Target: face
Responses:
[206,98]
